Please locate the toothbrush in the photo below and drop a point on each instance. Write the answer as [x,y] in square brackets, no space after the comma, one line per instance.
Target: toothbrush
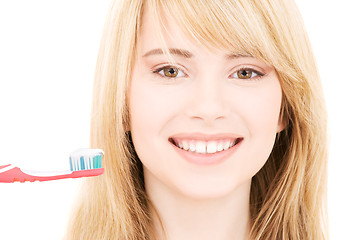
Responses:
[83,163]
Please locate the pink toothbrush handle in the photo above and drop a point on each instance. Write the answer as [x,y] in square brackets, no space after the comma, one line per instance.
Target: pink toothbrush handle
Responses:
[16,175]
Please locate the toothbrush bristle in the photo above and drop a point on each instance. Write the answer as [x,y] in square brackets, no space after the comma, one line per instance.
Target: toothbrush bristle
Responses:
[85,159]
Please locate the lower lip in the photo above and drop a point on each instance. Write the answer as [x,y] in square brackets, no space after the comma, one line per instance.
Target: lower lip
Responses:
[208,158]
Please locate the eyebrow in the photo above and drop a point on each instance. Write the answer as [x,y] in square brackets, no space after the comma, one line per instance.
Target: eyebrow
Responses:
[187,54]
[238,55]
[175,51]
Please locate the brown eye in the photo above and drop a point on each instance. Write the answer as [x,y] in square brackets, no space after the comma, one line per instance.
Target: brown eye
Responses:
[245,73]
[170,72]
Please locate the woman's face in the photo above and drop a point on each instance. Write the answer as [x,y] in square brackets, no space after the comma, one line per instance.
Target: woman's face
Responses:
[206,102]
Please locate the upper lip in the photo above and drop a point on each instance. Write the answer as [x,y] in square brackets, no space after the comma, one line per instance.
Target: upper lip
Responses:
[205,137]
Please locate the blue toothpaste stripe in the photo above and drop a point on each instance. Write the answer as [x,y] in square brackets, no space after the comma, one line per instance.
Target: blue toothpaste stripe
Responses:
[82,163]
[97,165]
[71,164]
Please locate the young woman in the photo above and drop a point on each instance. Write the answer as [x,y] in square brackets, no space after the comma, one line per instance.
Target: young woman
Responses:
[213,124]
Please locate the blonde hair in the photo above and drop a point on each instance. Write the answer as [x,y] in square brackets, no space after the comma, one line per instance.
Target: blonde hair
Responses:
[288,195]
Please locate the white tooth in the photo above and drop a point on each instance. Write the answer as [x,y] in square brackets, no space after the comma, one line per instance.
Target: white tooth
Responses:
[211,147]
[226,145]
[220,146]
[200,147]
[192,146]
[205,147]
[185,145]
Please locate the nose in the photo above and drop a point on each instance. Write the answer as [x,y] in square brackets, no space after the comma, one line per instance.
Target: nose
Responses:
[208,101]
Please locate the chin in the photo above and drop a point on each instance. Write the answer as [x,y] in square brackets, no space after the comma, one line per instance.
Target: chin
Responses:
[205,191]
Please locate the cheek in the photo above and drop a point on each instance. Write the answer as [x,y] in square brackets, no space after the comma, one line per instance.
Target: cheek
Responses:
[260,113]
[145,119]
[260,108]
[263,112]
[150,107]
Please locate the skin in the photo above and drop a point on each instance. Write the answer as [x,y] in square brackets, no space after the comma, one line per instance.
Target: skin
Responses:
[207,96]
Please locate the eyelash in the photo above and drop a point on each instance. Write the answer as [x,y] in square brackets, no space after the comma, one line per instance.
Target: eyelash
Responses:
[156,71]
[257,73]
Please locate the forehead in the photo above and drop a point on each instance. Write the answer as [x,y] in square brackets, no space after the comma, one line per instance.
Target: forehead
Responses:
[151,32]
[153,37]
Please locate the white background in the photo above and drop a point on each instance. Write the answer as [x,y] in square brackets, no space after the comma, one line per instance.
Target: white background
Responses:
[48,51]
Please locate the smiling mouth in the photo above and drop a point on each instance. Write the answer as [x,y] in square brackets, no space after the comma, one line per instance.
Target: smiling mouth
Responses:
[205,147]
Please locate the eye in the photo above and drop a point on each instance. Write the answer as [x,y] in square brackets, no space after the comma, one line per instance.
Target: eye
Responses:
[170,72]
[246,73]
